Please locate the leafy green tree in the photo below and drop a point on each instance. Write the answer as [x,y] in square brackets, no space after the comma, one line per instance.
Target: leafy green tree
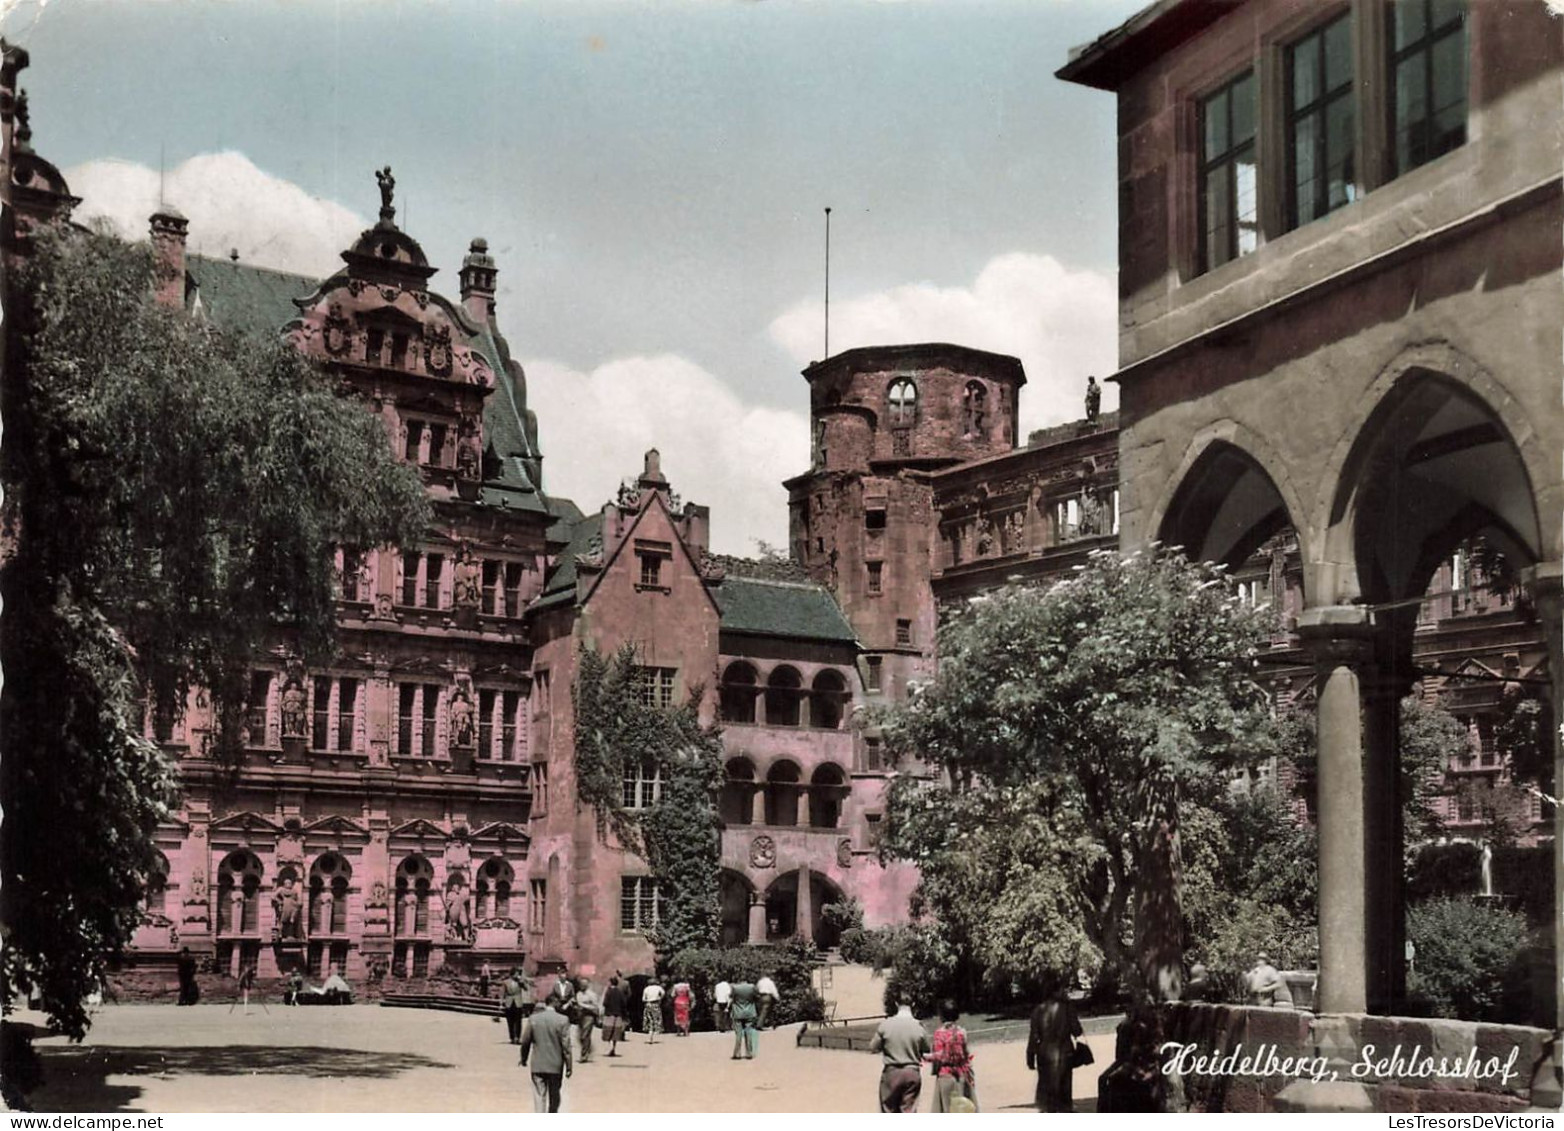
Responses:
[1431,738]
[1083,717]
[174,496]
[1467,959]
[618,728]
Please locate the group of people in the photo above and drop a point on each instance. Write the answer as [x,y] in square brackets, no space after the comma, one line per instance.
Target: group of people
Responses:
[573,1006]
[1053,1050]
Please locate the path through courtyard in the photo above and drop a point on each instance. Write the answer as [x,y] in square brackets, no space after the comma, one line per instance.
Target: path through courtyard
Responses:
[159,1058]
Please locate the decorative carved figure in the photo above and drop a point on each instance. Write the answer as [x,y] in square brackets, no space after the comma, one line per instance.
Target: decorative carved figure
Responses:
[377,894]
[762,852]
[468,582]
[461,718]
[1093,399]
[387,185]
[984,537]
[409,913]
[323,912]
[469,455]
[1015,532]
[458,913]
[236,909]
[1092,513]
[337,332]
[293,713]
[198,887]
[285,905]
[844,852]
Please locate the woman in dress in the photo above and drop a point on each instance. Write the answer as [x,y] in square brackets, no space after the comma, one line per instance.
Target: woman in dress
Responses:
[1051,1047]
[951,1063]
[652,1010]
[683,999]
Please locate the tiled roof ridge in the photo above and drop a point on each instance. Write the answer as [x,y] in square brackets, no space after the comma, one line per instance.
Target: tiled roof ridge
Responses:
[225,261]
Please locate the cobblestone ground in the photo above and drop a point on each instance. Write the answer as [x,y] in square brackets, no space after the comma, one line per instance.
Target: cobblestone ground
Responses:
[157,1059]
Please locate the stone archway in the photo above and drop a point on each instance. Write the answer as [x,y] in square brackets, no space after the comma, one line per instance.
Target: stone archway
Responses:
[1431,464]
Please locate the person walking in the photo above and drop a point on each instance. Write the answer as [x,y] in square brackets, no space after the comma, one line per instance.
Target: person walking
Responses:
[951,1062]
[189,990]
[652,1010]
[766,991]
[743,1012]
[589,1010]
[485,977]
[902,1044]
[1050,1049]
[295,987]
[513,1001]
[246,981]
[616,1007]
[721,997]
[683,1000]
[546,1042]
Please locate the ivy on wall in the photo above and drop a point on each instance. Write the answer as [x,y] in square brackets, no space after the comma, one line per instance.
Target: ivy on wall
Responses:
[623,734]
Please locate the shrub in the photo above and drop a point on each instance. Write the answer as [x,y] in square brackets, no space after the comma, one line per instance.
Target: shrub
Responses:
[846,915]
[1445,870]
[1249,928]
[790,965]
[922,968]
[861,946]
[1466,954]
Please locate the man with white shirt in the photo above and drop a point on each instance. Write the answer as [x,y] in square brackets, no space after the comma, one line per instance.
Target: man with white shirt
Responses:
[766,990]
[722,997]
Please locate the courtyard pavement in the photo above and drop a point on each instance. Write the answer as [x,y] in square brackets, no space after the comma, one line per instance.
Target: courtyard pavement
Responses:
[366,1058]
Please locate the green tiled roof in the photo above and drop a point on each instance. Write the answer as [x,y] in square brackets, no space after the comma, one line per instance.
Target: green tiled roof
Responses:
[245,298]
[800,610]
[563,579]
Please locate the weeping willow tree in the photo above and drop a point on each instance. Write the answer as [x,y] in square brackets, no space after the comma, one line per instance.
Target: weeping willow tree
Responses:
[173,499]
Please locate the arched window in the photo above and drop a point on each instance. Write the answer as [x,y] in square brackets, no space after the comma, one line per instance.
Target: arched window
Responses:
[738,689]
[496,878]
[736,807]
[903,401]
[329,895]
[782,793]
[974,409]
[827,700]
[239,893]
[157,885]
[414,878]
[784,692]
[827,790]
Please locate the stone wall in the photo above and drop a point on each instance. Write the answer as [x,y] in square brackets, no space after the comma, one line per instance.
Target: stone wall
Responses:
[1363,1063]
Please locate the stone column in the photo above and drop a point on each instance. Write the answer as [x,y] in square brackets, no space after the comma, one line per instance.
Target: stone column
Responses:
[1546,584]
[804,911]
[1384,878]
[757,805]
[757,918]
[1337,636]
[803,806]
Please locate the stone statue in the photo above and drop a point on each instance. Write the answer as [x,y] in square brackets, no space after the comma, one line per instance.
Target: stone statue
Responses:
[469,581]
[293,713]
[236,909]
[1093,399]
[458,913]
[323,912]
[409,913]
[1486,870]
[1091,513]
[469,460]
[285,906]
[387,185]
[461,719]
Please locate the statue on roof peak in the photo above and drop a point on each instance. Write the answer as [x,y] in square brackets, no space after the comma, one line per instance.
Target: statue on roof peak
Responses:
[387,184]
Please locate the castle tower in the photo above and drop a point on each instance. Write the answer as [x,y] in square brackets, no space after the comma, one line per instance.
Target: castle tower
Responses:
[861,519]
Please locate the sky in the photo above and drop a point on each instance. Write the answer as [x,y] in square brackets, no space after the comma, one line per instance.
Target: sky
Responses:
[651,179]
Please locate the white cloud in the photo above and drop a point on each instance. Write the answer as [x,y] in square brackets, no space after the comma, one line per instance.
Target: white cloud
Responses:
[1062,324]
[230,204]
[716,450]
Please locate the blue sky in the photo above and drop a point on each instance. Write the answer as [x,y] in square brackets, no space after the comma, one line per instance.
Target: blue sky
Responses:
[651,179]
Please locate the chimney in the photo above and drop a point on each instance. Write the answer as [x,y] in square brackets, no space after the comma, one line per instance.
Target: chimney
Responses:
[169,228]
[477,276]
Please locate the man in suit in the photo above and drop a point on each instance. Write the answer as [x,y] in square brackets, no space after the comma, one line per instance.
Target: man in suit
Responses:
[547,1041]
[513,1001]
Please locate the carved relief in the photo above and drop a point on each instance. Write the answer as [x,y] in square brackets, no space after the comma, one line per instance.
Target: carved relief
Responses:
[467,589]
[337,332]
[437,350]
[762,852]
[844,852]
[377,894]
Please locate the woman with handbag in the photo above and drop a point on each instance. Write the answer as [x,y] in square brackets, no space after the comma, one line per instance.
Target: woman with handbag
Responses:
[950,1061]
[1054,1048]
